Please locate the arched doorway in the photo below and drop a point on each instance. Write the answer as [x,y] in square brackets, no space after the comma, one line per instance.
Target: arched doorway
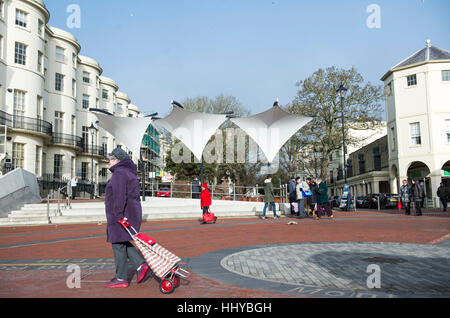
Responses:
[420,171]
[446,173]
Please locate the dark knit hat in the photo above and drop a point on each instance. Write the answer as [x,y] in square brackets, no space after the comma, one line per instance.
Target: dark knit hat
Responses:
[119,154]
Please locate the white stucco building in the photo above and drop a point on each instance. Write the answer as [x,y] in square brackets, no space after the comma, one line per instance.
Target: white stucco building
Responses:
[418,119]
[335,174]
[417,126]
[46,89]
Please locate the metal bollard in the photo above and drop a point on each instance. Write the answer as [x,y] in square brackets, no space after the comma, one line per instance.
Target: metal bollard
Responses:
[48,209]
[257,194]
[58,209]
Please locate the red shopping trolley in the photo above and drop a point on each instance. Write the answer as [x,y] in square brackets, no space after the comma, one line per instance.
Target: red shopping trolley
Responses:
[166,266]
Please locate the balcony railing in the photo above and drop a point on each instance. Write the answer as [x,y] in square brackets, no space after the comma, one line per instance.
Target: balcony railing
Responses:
[68,140]
[25,123]
[95,150]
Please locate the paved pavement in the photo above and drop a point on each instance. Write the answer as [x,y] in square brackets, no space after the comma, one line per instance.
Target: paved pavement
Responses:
[246,258]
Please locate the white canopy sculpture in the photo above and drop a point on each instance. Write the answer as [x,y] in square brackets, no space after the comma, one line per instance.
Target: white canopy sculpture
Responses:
[128,130]
[193,129]
[271,129]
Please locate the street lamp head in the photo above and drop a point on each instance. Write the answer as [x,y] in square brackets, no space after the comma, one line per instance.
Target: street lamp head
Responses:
[176,103]
[100,111]
[151,115]
[92,128]
[341,90]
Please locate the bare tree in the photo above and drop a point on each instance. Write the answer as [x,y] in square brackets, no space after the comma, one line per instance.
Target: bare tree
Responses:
[241,173]
[317,95]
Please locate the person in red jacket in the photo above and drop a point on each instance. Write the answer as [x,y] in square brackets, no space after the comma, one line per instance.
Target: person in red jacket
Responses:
[205,202]
[205,198]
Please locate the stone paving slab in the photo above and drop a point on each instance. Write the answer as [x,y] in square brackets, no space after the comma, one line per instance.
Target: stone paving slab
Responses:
[55,264]
[323,261]
[334,268]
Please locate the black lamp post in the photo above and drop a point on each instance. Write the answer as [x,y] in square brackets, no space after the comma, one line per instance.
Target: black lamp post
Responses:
[92,130]
[341,91]
[315,161]
[143,171]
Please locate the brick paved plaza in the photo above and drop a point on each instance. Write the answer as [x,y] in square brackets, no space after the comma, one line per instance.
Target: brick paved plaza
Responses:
[244,258]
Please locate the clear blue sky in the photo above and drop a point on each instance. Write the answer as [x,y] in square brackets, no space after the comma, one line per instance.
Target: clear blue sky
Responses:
[255,50]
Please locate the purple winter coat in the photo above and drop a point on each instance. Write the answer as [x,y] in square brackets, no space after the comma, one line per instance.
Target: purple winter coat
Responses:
[122,199]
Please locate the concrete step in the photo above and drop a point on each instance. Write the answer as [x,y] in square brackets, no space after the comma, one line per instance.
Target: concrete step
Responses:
[145,209]
[166,213]
[152,208]
[31,220]
[84,208]
[159,202]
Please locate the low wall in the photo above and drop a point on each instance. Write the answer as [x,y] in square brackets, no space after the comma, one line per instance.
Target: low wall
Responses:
[17,188]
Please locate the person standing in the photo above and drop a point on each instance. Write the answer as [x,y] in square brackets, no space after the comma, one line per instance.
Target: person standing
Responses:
[122,200]
[299,188]
[312,200]
[73,184]
[292,194]
[195,188]
[443,194]
[405,197]
[269,197]
[417,195]
[322,199]
[205,198]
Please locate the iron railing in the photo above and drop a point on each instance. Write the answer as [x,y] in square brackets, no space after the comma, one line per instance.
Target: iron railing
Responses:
[65,139]
[94,150]
[25,123]
[51,183]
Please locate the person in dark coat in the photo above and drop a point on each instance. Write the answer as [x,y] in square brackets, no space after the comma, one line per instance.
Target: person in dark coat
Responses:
[322,199]
[195,188]
[443,193]
[292,194]
[417,195]
[269,197]
[312,200]
[122,200]
[405,196]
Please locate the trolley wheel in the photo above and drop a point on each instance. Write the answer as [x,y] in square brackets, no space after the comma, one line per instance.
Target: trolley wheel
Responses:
[167,286]
[175,279]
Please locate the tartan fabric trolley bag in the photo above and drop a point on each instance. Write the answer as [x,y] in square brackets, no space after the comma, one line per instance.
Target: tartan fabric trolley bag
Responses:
[165,265]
